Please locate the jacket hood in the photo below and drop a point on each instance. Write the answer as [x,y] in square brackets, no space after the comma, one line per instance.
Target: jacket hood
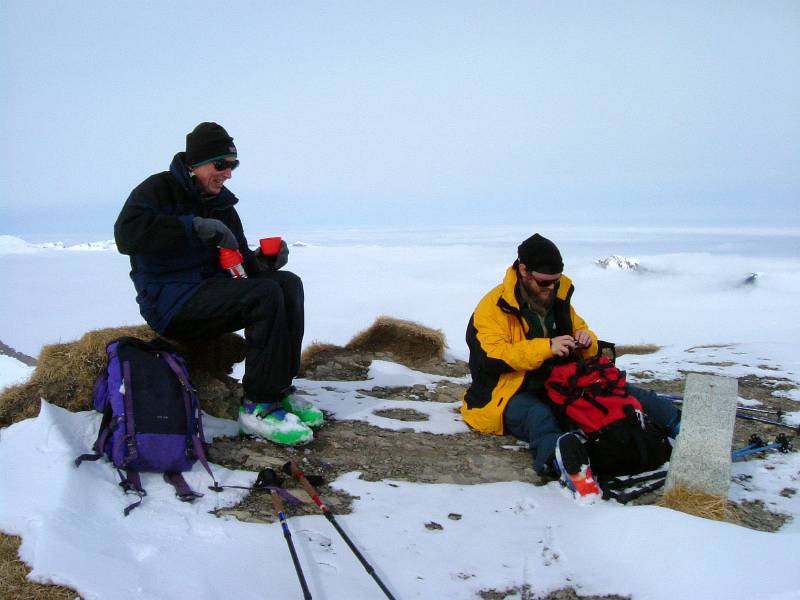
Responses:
[179,170]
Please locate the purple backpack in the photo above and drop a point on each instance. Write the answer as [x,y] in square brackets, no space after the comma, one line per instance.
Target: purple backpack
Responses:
[151,417]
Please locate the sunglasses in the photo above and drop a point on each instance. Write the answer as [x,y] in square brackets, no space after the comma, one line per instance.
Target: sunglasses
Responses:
[222,164]
[546,283]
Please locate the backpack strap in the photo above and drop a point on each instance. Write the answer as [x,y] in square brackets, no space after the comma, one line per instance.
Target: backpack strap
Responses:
[131,452]
[636,420]
[107,425]
[572,391]
[182,489]
[98,447]
[131,483]
[194,426]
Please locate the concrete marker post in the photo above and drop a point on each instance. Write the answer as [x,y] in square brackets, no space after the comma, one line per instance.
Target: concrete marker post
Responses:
[700,467]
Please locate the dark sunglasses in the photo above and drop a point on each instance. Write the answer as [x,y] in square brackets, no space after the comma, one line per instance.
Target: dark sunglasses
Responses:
[546,284]
[222,164]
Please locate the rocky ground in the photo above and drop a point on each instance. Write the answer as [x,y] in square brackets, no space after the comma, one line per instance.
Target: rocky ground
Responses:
[466,458]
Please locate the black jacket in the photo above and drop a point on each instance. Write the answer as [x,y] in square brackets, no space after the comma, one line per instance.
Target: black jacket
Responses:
[168,260]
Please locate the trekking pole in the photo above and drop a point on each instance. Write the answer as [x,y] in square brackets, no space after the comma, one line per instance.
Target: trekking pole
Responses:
[794,428]
[624,497]
[278,504]
[778,412]
[672,397]
[782,444]
[290,468]
[771,411]
[741,415]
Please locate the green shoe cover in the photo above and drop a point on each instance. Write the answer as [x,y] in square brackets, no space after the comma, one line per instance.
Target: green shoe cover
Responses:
[276,426]
[307,412]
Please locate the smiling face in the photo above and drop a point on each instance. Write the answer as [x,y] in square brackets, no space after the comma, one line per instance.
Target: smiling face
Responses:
[209,179]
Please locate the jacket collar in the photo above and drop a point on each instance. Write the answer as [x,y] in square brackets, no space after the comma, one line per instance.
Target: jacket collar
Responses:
[508,297]
[180,171]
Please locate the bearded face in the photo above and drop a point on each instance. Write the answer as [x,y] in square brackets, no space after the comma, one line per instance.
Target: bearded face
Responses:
[540,287]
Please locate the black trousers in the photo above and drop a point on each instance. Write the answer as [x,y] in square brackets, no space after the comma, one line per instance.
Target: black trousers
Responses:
[269,307]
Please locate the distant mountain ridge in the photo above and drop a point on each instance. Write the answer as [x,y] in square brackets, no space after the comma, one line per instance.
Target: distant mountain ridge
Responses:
[6,350]
[10,244]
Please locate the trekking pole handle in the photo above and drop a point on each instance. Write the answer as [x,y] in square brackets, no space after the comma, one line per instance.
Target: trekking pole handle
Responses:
[309,489]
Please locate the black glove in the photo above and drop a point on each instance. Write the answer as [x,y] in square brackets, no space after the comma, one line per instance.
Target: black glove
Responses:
[214,233]
[275,262]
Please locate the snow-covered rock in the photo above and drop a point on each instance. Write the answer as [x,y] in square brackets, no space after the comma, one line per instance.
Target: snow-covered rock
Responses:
[752,278]
[616,261]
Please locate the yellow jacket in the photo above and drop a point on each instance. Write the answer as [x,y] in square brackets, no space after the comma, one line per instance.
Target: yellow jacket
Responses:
[501,354]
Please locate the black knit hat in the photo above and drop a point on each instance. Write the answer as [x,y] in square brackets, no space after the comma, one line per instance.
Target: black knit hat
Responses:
[539,254]
[207,142]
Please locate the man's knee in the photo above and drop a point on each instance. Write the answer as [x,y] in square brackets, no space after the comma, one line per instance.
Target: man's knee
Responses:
[290,283]
[528,412]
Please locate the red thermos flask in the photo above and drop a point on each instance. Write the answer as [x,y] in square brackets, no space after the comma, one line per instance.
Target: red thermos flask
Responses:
[231,261]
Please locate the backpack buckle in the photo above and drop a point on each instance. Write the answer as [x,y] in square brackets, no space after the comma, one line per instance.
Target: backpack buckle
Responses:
[131,451]
[130,488]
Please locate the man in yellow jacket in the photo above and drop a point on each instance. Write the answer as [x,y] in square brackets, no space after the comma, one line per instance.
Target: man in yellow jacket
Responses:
[516,329]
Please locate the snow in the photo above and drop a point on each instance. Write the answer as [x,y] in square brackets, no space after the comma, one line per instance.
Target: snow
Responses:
[12,371]
[774,359]
[688,300]
[508,534]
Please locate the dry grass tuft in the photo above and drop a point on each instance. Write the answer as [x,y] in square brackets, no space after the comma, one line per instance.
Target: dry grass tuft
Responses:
[65,373]
[405,342]
[414,342]
[637,349]
[13,573]
[696,502]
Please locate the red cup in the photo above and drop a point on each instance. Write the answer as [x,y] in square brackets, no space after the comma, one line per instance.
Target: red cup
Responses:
[270,246]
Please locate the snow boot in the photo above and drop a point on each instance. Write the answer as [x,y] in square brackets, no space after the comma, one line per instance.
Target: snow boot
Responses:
[273,423]
[573,462]
[308,414]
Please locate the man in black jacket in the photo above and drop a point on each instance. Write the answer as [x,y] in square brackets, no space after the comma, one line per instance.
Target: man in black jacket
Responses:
[173,226]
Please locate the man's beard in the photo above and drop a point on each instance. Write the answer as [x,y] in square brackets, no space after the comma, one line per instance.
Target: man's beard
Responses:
[540,300]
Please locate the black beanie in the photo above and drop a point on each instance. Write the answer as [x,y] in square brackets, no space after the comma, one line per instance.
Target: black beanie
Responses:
[207,142]
[539,254]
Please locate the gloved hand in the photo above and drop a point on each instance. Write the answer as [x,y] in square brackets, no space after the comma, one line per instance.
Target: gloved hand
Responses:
[274,262]
[214,233]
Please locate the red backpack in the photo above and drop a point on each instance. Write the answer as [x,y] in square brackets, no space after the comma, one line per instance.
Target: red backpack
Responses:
[591,395]
[591,392]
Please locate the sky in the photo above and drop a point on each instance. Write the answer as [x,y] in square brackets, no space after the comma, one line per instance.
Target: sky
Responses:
[379,113]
